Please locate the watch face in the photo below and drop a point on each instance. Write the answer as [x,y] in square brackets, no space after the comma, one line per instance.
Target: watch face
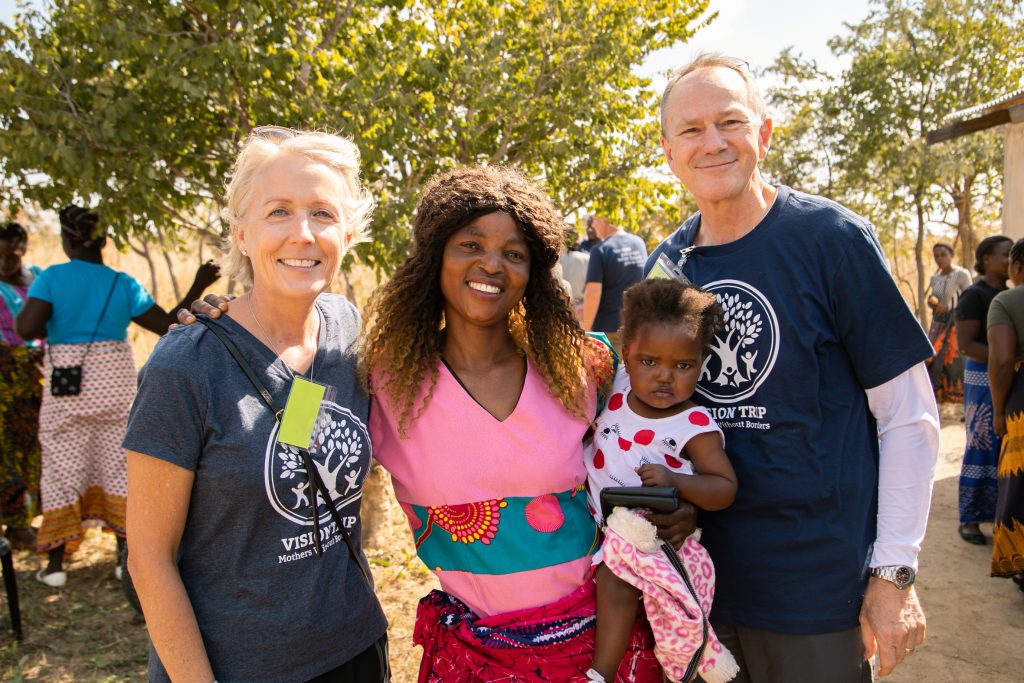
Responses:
[904,576]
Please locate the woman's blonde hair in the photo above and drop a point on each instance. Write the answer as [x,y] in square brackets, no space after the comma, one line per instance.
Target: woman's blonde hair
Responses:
[265,143]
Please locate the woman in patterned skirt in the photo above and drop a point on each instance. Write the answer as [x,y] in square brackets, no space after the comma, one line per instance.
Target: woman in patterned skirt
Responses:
[19,394]
[83,308]
[945,289]
[978,472]
[1006,376]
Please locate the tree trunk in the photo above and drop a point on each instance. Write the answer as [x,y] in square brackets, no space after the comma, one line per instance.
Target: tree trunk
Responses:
[143,251]
[170,271]
[962,199]
[922,310]
[350,291]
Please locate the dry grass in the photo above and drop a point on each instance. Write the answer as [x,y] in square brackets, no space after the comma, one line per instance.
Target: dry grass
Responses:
[86,631]
[83,632]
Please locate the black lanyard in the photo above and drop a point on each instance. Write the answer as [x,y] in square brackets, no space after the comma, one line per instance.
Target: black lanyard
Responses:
[316,483]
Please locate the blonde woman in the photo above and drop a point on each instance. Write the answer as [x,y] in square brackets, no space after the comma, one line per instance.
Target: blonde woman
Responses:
[244,571]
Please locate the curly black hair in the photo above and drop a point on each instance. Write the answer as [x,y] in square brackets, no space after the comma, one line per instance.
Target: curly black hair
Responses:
[403,325]
[670,301]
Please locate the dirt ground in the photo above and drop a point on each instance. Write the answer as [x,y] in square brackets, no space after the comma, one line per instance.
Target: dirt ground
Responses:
[975,622]
[86,632]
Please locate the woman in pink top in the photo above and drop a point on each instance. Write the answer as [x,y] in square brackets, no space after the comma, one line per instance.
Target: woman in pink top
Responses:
[485,385]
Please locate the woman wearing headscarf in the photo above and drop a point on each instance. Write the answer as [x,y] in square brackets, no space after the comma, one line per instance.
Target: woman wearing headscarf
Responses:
[20,391]
[83,308]
[978,472]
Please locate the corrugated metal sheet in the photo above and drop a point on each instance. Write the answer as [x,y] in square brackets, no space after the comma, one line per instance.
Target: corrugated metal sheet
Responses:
[1000,102]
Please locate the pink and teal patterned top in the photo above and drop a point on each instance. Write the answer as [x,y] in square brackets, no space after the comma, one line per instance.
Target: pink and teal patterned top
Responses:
[12,299]
[497,508]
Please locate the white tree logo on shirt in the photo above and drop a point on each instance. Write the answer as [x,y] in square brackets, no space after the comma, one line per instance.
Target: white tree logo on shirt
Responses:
[744,351]
[340,442]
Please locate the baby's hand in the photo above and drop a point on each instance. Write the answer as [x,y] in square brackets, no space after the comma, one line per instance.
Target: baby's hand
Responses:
[655,475]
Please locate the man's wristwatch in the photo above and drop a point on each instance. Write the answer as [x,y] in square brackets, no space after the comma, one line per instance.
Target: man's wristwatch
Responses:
[899,575]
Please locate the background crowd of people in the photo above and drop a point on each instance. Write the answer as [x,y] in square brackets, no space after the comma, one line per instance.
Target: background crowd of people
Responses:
[68,385]
[833,461]
[975,332]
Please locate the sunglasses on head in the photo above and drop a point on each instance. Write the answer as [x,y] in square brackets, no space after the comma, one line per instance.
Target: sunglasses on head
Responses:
[273,133]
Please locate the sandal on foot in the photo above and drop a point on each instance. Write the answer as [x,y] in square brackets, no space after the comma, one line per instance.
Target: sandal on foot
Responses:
[971,534]
[53,579]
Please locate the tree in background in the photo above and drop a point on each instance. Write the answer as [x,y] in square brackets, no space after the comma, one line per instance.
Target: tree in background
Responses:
[140,106]
[859,137]
[912,65]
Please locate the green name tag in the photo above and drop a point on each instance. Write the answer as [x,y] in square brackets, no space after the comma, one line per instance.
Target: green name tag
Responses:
[300,412]
[658,272]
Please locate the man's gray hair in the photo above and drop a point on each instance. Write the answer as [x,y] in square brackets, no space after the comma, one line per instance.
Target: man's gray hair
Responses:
[709,60]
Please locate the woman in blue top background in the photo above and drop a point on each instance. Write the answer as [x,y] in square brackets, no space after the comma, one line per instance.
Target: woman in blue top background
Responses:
[84,308]
[977,502]
[19,393]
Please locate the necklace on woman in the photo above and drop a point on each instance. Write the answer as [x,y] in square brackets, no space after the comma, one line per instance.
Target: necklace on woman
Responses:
[270,343]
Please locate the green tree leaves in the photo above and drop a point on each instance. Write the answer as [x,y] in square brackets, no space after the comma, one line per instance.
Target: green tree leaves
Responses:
[140,106]
[912,63]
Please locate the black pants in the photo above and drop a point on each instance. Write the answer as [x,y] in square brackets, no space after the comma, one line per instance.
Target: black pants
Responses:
[767,657]
[369,666]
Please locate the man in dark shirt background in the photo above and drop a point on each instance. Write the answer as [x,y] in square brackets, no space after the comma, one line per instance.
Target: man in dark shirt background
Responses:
[616,264]
[592,239]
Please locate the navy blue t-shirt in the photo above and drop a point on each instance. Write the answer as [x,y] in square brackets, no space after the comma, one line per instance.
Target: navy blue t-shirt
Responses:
[618,264]
[813,318]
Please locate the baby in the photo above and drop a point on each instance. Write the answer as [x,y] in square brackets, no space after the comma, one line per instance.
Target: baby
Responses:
[651,433]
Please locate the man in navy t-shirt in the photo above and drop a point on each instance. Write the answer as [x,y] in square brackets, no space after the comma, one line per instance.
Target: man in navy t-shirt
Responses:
[817,380]
[616,264]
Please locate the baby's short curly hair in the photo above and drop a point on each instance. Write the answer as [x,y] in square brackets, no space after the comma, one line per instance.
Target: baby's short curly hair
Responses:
[668,301]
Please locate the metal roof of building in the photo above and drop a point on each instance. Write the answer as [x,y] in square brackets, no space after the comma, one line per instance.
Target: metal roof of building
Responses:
[987,107]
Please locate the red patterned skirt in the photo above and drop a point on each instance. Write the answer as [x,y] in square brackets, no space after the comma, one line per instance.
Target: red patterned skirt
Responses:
[84,480]
[946,367]
[554,642]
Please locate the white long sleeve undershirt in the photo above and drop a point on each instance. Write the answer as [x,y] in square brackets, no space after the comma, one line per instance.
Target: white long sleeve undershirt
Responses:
[908,433]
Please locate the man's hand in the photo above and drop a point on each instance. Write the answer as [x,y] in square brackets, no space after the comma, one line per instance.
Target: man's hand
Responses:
[892,621]
[674,527]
